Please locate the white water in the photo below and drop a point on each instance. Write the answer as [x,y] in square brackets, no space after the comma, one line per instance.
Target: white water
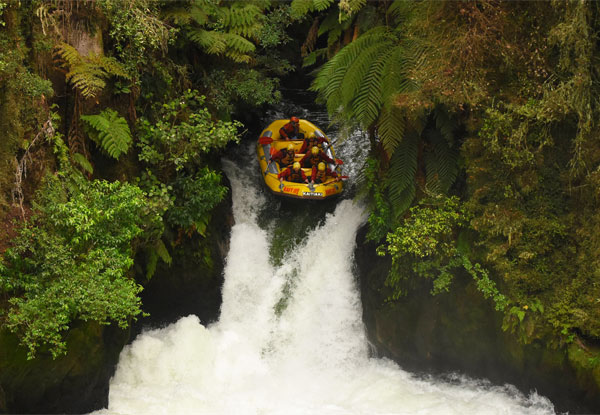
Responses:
[312,358]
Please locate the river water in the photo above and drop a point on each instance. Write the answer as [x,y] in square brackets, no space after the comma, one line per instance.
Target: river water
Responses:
[290,339]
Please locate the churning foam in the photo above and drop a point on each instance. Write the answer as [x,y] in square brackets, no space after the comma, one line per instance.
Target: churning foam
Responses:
[289,341]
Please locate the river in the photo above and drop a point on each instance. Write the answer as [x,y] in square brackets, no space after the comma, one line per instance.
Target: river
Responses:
[290,338]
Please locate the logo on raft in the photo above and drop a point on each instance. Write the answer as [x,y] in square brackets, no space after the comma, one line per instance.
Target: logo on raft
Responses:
[312,194]
[293,190]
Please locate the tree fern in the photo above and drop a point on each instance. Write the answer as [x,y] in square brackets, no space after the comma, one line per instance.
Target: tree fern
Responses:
[110,131]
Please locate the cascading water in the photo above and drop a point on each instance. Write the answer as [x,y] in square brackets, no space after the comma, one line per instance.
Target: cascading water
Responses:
[290,339]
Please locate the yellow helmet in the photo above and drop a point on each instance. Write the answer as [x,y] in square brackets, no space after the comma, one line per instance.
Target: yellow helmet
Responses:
[290,147]
[296,165]
[314,150]
[321,166]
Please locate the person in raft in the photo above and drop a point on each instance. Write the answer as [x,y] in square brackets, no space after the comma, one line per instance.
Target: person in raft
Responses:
[320,172]
[291,130]
[285,156]
[315,157]
[311,141]
[293,174]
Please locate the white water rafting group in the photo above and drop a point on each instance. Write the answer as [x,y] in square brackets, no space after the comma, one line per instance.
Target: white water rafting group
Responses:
[297,160]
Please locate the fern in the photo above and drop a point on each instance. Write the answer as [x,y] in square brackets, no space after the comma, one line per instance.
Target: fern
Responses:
[391,125]
[88,73]
[320,5]
[402,172]
[83,162]
[441,162]
[300,8]
[110,131]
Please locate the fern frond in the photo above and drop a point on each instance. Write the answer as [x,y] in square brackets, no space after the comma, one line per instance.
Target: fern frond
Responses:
[390,126]
[358,70]
[112,66]
[110,131]
[441,162]
[321,5]
[368,102]
[69,54]
[300,8]
[83,162]
[211,42]
[162,252]
[238,43]
[402,172]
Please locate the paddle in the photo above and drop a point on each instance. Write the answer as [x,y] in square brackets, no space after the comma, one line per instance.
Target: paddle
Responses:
[272,151]
[333,180]
[265,140]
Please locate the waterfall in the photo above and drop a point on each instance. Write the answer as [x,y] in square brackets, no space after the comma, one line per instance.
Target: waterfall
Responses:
[290,339]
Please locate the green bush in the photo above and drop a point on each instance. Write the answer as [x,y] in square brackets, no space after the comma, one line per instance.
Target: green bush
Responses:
[71,258]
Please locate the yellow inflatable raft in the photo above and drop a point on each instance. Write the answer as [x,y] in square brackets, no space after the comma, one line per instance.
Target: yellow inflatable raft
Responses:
[270,139]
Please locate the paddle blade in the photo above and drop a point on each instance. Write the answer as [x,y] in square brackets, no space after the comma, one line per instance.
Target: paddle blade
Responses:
[272,150]
[338,162]
[265,140]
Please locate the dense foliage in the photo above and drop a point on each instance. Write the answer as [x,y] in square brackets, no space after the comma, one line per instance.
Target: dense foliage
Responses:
[493,102]
[482,117]
[110,147]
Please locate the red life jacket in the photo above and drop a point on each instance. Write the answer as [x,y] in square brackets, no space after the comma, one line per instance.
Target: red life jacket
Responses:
[319,176]
[289,129]
[295,176]
[287,157]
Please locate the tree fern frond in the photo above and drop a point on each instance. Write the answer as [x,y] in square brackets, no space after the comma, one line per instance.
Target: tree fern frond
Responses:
[441,162]
[390,126]
[211,42]
[238,56]
[321,5]
[359,68]
[368,102]
[300,8]
[110,131]
[402,172]
[238,43]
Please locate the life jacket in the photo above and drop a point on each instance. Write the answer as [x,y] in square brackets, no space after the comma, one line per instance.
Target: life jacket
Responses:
[315,160]
[311,142]
[295,176]
[320,176]
[289,129]
[288,157]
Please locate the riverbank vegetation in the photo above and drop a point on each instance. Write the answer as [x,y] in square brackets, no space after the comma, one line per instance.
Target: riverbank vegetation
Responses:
[113,115]
[482,118]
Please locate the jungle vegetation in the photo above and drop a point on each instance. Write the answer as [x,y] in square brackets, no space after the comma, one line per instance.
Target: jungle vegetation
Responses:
[481,115]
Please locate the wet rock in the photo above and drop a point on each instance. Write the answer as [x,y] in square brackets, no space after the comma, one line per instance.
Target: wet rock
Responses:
[461,332]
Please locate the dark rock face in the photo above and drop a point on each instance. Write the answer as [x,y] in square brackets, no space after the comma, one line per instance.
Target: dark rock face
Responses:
[79,381]
[460,332]
[192,284]
[74,383]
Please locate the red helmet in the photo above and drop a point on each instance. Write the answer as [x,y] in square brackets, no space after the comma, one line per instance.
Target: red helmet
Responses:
[294,119]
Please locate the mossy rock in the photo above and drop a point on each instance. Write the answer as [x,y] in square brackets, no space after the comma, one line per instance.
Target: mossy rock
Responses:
[460,331]
[74,383]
